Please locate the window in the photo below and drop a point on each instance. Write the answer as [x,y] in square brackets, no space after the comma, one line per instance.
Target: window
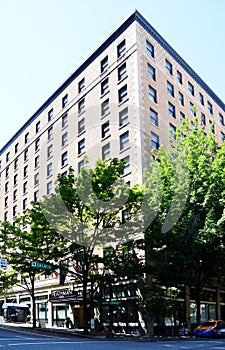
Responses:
[15,180]
[192,109]
[81,106]
[25,154]
[172,131]
[25,203]
[25,187]
[7,186]
[7,172]
[169,67]
[15,195]
[36,196]
[49,151]
[49,169]
[16,163]
[38,126]
[64,159]
[171,110]
[124,141]
[150,49]
[105,130]
[81,85]
[151,72]
[105,86]
[170,89]
[104,64]
[221,118]
[16,147]
[37,145]
[36,179]
[37,161]
[122,94]
[126,169]
[14,210]
[201,98]
[64,121]
[121,48]
[26,138]
[182,116]
[25,171]
[152,94]
[154,117]
[210,108]
[49,187]
[105,108]
[7,156]
[6,216]
[203,120]
[181,98]
[81,126]
[80,166]
[50,115]
[191,88]
[64,101]
[122,72]
[64,139]
[212,126]
[222,136]
[154,140]
[123,117]
[81,146]
[50,133]
[6,201]
[179,77]
[106,151]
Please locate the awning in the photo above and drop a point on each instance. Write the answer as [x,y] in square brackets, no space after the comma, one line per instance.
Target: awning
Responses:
[15,306]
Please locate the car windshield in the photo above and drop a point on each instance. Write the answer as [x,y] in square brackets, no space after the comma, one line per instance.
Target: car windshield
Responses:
[209,323]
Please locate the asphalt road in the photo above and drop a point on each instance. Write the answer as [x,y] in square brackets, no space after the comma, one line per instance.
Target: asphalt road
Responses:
[25,340]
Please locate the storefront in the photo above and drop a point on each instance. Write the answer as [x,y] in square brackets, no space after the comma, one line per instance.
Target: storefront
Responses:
[14,312]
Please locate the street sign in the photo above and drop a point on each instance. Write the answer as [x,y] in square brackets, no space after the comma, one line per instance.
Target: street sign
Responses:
[41,265]
[110,302]
[3,263]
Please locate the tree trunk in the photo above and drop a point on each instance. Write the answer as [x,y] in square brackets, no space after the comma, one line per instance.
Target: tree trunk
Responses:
[33,302]
[85,305]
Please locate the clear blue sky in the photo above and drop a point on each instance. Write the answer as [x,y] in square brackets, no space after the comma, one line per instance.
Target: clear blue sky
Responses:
[44,41]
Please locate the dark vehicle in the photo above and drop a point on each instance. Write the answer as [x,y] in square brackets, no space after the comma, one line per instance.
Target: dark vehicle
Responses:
[219,331]
[208,328]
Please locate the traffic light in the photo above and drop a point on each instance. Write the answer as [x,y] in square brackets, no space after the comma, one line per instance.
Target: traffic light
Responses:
[27,266]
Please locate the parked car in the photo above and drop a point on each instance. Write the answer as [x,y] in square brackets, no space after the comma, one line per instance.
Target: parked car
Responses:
[208,328]
[219,331]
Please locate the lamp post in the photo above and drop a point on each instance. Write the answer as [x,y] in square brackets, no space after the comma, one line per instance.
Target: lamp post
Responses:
[109,279]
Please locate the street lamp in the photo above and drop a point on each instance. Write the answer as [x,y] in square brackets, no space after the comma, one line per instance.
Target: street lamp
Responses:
[109,279]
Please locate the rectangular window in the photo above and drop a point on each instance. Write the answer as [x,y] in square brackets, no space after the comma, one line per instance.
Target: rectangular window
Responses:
[80,166]
[81,106]
[221,118]
[36,196]
[169,68]
[181,98]
[105,86]
[170,89]
[7,156]
[7,186]
[121,49]
[150,49]
[212,126]
[37,161]
[49,169]
[26,138]
[16,163]
[154,117]
[222,136]
[25,187]
[105,107]
[38,127]
[16,147]
[201,98]
[36,179]
[50,115]
[124,141]
[7,172]
[25,203]
[191,88]
[81,146]
[49,151]
[104,64]
[122,94]
[6,201]
[154,140]
[106,151]
[126,169]
[14,210]
[37,145]
[203,120]
[64,121]
[122,72]
[15,195]
[81,85]
[210,108]
[50,133]
[171,110]
[151,72]
[64,139]
[123,117]
[15,180]
[105,130]
[64,101]
[193,109]
[49,187]
[172,131]
[6,216]
[25,155]
[179,77]
[25,171]
[152,94]
[64,159]
[81,126]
